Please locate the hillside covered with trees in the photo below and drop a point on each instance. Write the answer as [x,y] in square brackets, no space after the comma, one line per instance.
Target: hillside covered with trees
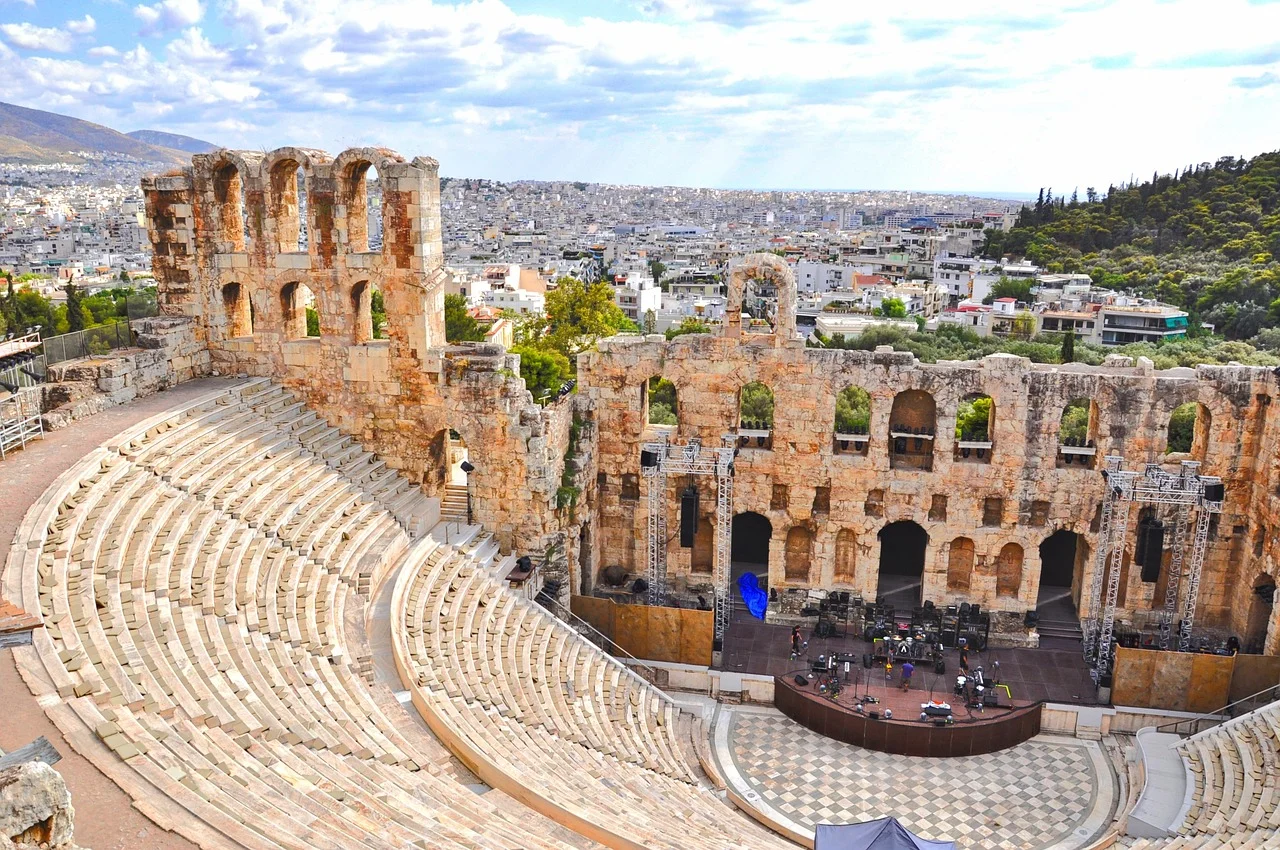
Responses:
[1205,238]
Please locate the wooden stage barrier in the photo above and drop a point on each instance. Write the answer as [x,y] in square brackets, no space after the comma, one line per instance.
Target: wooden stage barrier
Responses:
[681,635]
[1188,681]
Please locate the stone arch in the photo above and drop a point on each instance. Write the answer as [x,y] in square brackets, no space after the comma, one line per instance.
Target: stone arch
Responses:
[1188,431]
[298,306]
[762,267]
[1009,570]
[661,401]
[960,558]
[846,555]
[239,310]
[799,554]
[351,167]
[912,427]
[228,195]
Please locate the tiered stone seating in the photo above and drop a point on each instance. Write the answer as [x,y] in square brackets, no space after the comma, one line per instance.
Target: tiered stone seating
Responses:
[1257,839]
[1234,769]
[195,578]
[545,715]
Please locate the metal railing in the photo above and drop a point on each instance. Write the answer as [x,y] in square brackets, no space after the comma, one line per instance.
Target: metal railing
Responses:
[1222,715]
[88,342]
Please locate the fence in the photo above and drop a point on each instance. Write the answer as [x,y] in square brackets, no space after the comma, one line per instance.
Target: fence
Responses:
[88,342]
[20,420]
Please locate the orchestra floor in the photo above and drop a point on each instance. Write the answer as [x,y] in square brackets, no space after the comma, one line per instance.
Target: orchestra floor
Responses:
[1055,671]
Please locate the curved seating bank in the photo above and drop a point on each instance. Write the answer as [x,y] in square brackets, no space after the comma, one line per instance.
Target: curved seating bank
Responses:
[203,582]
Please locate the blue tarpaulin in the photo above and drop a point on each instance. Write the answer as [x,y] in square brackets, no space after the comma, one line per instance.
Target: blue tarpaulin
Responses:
[882,834]
[756,599]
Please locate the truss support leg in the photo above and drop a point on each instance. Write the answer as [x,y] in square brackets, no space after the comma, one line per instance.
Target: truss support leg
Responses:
[1198,546]
[1174,578]
[658,536]
[724,542]
[1093,601]
[1120,528]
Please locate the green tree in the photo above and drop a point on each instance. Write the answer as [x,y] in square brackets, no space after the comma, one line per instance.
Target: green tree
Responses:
[543,371]
[853,411]
[756,405]
[579,314]
[688,326]
[459,325]
[76,312]
[1006,287]
[662,402]
[313,322]
[657,270]
[973,419]
[893,308]
[1182,427]
[124,276]
[650,323]
[1069,346]
[378,313]
[1074,426]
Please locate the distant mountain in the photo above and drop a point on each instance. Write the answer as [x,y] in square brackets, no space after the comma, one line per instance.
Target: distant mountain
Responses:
[31,135]
[172,140]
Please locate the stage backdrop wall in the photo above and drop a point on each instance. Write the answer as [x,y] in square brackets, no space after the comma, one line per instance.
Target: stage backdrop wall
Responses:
[680,635]
[1254,673]
[1173,681]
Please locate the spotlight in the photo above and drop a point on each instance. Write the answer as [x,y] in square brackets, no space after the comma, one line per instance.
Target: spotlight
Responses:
[468,467]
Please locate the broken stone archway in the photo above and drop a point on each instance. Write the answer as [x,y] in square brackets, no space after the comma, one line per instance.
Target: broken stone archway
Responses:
[902,555]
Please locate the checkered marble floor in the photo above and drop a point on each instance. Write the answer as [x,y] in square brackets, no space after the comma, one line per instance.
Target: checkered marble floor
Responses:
[1035,795]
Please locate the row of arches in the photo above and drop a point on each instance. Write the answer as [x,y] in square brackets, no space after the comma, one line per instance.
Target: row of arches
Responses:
[286,206]
[913,424]
[300,311]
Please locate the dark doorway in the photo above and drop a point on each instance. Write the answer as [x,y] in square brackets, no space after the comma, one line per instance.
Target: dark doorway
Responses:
[1260,607]
[902,548]
[749,549]
[1059,577]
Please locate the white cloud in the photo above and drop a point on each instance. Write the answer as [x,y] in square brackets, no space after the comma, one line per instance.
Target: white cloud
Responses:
[168,15]
[104,50]
[82,26]
[32,37]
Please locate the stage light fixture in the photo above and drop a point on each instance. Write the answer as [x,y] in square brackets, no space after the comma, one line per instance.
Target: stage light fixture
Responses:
[468,467]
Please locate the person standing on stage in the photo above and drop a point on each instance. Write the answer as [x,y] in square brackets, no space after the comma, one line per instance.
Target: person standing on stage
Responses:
[907,669]
[964,657]
[795,642]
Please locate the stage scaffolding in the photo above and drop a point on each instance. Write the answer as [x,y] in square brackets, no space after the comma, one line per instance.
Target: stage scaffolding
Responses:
[20,421]
[690,459]
[1183,490]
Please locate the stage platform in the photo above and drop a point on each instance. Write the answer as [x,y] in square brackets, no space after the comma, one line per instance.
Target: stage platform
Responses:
[1055,672]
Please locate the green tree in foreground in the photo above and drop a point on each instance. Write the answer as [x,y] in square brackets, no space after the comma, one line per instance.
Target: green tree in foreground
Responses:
[75,311]
[459,325]
[893,308]
[543,371]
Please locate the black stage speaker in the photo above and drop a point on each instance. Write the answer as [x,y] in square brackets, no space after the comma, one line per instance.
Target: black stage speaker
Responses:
[801,681]
[648,459]
[1151,549]
[1214,492]
[866,660]
[1031,619]
[940,666]
[688,516]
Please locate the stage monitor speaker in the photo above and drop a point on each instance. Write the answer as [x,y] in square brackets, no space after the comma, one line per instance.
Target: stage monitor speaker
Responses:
[1214,492]
[1031,619]
[801,681]
[688,516]
[874,715]
[648,459]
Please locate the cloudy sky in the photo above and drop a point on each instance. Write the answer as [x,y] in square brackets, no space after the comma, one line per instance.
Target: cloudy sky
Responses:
[843,94]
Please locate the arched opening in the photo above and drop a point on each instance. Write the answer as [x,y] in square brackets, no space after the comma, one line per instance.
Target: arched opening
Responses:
[1077,434]
[363,198]
[749,546]
[299,311]
[912,427]
[1062,558]
[1261,606]
[228,194]
[288,206]
[1009,570]
[449,452]
[853,421]
[239,310]
[846,556]
[902,551]
[799,554]
[660,398]
[1189,430]
[960,565]
[975,427]
[755,416]
[369,313]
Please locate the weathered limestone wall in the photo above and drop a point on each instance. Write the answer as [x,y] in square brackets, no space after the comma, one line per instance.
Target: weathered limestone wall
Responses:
[225,239]
[1020,497]
[35,807]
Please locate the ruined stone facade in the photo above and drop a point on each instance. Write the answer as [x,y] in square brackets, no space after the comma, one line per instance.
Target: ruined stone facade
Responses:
[225,233]
[225,236]
[986,517]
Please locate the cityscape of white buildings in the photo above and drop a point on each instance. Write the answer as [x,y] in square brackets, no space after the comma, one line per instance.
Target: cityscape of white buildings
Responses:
[664,250]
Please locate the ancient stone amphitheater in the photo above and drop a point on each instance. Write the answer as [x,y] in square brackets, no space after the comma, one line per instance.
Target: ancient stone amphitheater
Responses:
[269,619]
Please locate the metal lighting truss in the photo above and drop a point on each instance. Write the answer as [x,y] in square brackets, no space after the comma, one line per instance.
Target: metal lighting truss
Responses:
[691,459]
[1183,490]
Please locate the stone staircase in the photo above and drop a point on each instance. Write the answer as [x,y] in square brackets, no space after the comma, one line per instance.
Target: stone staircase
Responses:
[1068,629]
[453,507]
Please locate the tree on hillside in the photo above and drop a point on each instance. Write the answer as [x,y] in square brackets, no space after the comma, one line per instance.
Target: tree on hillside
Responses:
[650,323]
[688,326]
[543,371]
[657,270]
[579,314]
[75,310]
[459,325]
[1005,287]
[893,308]
[1069,346]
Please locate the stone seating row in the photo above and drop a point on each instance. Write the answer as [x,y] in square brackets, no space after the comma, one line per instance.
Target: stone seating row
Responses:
[531,710]
[1257,839]
[200,657]
[1235,771]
